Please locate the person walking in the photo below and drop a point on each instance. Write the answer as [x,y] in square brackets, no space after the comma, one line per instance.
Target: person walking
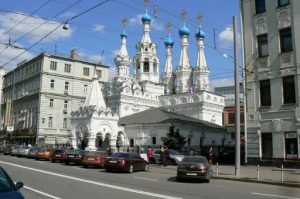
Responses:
[162,156]
[150,155]
[167,157]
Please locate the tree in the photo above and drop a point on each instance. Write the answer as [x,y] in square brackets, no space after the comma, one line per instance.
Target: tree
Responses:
[174,140]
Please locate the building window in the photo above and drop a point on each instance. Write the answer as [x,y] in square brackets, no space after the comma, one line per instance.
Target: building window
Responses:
[85,88]
[67,68]
[51,102]
[66,104]
[53,65]
[146,65]
[288,86]
[231,118]
[262,44]
[52,83]
[267,145]
[189,141]
[265,93]
[286,40]
[155,67]
[131,142]
[260,6]
[65,123]
[99,73]
[66,86]
[50,122]
[283,2]
[154,140]
[86,71]
[291,145]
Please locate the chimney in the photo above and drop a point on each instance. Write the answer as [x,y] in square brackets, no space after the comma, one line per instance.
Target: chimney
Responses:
[74,53]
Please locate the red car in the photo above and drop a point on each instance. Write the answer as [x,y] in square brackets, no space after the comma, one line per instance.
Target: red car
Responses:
[128,162]
[94,158]
[44,153]
[57,155]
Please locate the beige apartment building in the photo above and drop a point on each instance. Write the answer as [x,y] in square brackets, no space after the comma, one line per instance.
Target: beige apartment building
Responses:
[271,55]
[39,95]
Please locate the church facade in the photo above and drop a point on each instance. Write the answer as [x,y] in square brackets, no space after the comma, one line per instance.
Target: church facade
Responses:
[183,91]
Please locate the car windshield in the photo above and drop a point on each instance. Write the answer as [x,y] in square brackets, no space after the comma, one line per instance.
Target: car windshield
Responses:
[5,183]
[172,152]
[97,153]
[194,159]
[76,151]
[58,151]
[121,155]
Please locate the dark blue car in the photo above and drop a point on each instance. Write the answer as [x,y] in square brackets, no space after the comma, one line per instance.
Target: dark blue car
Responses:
[7,187]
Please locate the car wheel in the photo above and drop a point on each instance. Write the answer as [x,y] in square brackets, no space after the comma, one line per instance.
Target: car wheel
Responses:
[130,169]
[146,167]
[108,170]
[178,179]
[52,160]
[67,163]
[206,180]
[85,166]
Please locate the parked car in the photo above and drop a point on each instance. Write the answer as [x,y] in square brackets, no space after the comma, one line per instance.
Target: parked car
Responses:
[128,162]
[94,158]
[15,150]
[174,159]
[194,167]
[227,155]
[2,148]
[32,151]
[23,150]
[8,189]
[6,149]
[58,155]
[74,156]
[44,153]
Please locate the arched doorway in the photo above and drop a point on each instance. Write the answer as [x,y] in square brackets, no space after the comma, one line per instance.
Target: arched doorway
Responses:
[120,141]
[81,139]
[99,141]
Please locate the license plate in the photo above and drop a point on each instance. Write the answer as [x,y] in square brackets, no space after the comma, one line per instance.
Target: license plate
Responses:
[71,156]
[112,161]
[90,158]
[57,155]
[191,174]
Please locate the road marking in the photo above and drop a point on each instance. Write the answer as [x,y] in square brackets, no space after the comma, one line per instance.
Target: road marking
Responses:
[270,195]
[145,178]
[40,192]
[94,182]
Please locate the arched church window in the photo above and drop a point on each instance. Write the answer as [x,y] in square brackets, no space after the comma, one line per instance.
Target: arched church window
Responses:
[146,49]
[155,67]
[146,65]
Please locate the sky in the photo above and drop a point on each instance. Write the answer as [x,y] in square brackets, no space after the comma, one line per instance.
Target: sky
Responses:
[36,24]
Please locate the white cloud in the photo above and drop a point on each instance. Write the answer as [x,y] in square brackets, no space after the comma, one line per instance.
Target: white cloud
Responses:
[91,58]
[8,21]
[114,53]
[99,28]
[226,38]
[221,82]
[112,72]
[138,21]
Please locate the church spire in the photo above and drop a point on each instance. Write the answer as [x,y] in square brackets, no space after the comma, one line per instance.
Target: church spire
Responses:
[95,96]
[184,68]
[167,76]
[201,71]
[146,19]
[122,60]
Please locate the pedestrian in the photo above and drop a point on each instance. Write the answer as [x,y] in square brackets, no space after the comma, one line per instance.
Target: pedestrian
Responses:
[167,157]
[71,148]
[210,155]
[162,156]
[150,155]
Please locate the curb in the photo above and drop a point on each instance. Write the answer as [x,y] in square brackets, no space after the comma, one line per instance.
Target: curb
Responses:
[286,184]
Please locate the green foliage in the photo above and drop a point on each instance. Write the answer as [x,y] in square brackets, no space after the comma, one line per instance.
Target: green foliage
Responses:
[174,140]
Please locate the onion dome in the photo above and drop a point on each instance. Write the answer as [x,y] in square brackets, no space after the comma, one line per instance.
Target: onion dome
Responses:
[184,31]
[201,34]
[123,34]
[169,42]
[146,18]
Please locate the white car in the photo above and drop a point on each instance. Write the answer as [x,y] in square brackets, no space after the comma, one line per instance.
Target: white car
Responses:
[175,156]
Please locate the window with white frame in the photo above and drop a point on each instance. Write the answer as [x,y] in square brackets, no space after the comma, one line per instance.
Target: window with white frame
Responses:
[262,44]
[50,122]
[66,104]
[53,65]
[85,88]
[283,2]
[86,71]
[67,68]
[66,86]
[51,102]
[99,73]
[65,123]
[52,83]
[286,44]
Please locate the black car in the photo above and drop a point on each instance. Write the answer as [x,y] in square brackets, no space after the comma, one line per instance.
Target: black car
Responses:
[74,156]
[8,189]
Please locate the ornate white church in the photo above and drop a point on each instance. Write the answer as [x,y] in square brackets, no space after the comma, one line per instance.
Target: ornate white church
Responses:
[137,110]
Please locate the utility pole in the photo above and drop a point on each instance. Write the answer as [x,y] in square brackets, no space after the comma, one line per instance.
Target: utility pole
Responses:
[237,101]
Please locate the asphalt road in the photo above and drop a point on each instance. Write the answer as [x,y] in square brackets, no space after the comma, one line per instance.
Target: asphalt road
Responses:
[45,180]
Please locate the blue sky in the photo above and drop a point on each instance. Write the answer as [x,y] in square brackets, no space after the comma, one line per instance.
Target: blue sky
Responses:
[98,31]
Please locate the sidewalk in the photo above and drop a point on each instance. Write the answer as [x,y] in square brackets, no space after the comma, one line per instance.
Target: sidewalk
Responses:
[267,175]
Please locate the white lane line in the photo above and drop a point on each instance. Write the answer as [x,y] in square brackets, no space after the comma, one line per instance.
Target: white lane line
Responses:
[79,168]
[94,182]
[270,195]
[40,192]
[144,178]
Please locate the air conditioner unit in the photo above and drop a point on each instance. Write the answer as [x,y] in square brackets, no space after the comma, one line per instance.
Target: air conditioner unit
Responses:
[66,92]
[65,111]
